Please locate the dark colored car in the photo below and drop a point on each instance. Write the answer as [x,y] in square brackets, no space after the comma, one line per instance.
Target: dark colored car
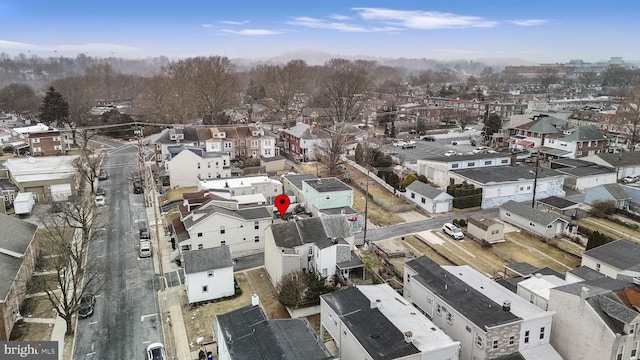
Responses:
[101,191]
[103,175]
[429,138]
[87,303]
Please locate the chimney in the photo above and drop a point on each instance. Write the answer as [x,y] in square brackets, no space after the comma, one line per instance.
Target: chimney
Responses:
[376,304]
[408,336]
[584,293]
[255,300]
[514,159]
[506,305]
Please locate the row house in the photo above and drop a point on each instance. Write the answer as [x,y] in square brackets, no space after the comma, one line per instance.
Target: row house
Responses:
[300,142]
[245,190]
[576,142]
[317,118]
[47,143]
[211,225]
[531,135]
[192,164]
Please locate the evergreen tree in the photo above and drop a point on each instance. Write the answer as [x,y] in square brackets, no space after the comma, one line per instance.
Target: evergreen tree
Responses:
[595,239]
[392,132]
[359,155]
[492,125]
[54,108]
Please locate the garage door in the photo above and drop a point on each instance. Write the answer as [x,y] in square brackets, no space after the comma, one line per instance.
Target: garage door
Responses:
[442,206]
[35,189]
[60,192]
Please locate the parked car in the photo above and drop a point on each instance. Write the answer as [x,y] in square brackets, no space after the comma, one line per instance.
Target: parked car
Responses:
[409,145]
[101,191]
[87,303]
[428,138]
[480,150]
[450,153]
[155,351]
[452,231]
[399,143]
[630,179]
[145,249]
[100,201]
[103,175]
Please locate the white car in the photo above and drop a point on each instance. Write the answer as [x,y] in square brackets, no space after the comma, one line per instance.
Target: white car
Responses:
[100,200]
[452,231]
[409,145]
[450,153]
[480,150]
[155,351]
[400,143]
[630,179]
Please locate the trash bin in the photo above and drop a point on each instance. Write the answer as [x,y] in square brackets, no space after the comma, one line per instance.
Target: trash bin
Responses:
[573,217]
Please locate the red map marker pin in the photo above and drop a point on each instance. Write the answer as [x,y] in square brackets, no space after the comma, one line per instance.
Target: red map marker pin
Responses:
[282,204]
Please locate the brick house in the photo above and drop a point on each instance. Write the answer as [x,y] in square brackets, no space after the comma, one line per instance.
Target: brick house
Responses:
[46,143]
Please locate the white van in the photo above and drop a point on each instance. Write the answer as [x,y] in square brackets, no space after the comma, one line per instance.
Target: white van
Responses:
[145,249]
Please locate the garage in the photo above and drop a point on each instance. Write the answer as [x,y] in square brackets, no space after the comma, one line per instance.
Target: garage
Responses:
[61,192]
[443,206]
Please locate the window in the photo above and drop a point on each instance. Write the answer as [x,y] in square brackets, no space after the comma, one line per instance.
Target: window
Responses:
[526,337]
[208,165]
[256,225]
[205,289]
[222,230]
[328,197]
[37,149]
[541,333]
[310,250]
[634,351]
[488,162]
[256,238]
[35,141]
[471,163]
[450,318]
[532,299]
[438,309]
[198,165]
[454,166]
[598,267]
[424,201]
[57,147]
[494,232]
[532,224]
[504,161]
[56,138]
[413,195]
[210,273]
[620,352]
[479,341]
[223,243]
[512,340]
[632,329]
[200,246]
[507,214]
[494,345]
[580,145]
[199,233]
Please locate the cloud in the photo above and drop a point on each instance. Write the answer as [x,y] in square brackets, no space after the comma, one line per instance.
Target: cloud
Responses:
[423,20]
[340,26]
[252,32]
[88,47]
[233,22]
[529,22]
[339,17]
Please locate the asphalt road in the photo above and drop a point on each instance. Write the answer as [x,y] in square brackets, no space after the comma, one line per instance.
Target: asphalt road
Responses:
[126,317]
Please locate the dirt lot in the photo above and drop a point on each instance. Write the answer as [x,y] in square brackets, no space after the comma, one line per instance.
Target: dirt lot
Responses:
[31,332]
[610,228]
[198,319]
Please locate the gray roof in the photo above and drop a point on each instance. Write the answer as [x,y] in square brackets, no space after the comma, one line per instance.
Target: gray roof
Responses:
[190,135]
[586,273]
[585,171]
[301,131]
[373,330]
[344,210]
[481,221]
[558,202]
[209,209]
[544,125]
[327,185]
[472,304]
[196,261]
[15,233]
[622,254]
[425,190]
[9,267]
[311,230]
[450,159]
[248,334]
[625,158]
[616,191]
[526,211]
[498,174]
[568,162]
[522,268]
[583,133]
[297,179]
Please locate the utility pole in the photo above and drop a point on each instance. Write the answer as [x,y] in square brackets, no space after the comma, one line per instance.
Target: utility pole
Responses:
[366,208]
[535,182]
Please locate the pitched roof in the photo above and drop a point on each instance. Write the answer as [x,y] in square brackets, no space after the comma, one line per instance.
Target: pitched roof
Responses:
[544,125]
[526,211]
[425,190]
[210,209]
[248,334]
[481,221]
[586,273]
[558,202]
[311,230]
[497,174]
[15,237]
[583,133]
[624,158]
[622,254]
[327,185]
[617,191]
[473,305]
[196,261]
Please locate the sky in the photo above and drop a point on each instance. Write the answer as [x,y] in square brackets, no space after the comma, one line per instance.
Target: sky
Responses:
[539,31]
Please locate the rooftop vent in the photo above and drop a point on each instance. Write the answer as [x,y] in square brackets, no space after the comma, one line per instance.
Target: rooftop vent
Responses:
[506,305]
[408,336]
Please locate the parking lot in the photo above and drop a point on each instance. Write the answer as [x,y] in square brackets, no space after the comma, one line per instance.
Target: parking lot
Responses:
[430,149]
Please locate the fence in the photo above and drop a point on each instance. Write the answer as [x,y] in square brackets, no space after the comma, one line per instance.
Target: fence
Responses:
[382,204]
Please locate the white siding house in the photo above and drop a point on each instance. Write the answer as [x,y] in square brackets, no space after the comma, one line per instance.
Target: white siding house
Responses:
[187,168]
[236,187]
[437,169]
[208,274]
[614,258]
[327,193]
[432,200]
[532,220]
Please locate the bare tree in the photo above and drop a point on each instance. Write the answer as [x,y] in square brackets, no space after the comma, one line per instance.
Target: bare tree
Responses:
[331,150]
[291,288]
[588,78]
[88,164]
[72,273]
[547,76]
[282,83]
[628,119]
[344,87]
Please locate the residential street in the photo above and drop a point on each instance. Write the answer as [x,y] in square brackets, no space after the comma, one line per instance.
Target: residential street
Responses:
[126,317]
